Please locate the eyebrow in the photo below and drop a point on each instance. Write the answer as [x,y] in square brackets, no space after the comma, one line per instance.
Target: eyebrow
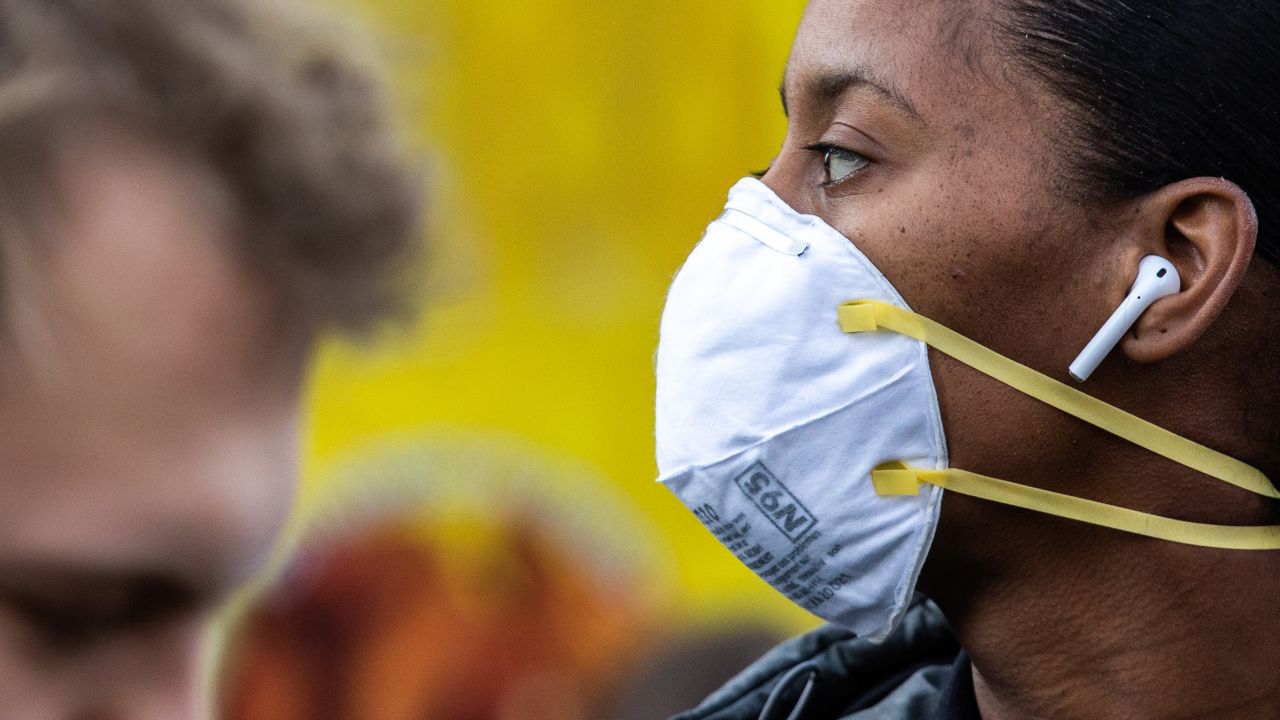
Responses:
[830,87]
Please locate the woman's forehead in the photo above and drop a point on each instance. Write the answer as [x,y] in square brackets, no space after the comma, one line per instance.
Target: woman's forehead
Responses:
[944,62]
[941,67]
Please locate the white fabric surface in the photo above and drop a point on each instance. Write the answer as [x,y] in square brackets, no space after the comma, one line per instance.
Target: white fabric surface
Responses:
[770,419]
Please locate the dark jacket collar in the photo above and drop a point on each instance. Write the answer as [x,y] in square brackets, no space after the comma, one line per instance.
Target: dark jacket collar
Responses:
[829,674]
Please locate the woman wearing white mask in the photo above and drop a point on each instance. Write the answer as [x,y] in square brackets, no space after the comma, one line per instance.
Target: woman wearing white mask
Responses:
[863,383]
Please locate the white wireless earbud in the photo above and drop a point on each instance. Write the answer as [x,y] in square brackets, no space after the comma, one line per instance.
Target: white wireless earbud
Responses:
[1157,278]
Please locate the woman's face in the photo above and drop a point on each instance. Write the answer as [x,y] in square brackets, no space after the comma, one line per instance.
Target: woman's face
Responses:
[940,163]
[939,168]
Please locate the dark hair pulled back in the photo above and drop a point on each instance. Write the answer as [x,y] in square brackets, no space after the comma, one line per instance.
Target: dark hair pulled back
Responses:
[1166,90]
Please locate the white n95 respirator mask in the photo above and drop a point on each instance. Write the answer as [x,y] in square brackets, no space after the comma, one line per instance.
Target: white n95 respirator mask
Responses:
[797,418]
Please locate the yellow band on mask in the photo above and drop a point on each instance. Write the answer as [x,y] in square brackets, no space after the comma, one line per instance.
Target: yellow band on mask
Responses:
[870,315]
[899,479]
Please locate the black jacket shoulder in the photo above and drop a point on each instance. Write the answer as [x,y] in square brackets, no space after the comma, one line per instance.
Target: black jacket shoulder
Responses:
[829,674]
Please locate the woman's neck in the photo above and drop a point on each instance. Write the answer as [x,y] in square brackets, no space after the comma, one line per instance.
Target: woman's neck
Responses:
[1102,625]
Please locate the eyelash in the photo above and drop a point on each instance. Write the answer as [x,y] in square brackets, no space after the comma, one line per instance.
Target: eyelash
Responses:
[824,151]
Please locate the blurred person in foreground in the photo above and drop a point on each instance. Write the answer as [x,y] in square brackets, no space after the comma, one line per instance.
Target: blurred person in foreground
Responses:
[967,191]
[191,191]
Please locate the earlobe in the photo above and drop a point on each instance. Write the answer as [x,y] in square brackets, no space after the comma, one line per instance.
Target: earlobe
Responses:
[1208,228]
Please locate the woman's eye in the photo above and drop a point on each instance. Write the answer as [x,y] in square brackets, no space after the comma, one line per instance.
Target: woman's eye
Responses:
[839,163]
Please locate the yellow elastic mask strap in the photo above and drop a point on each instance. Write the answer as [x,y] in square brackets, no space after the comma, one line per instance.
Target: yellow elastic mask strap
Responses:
[869,315]
[899,479]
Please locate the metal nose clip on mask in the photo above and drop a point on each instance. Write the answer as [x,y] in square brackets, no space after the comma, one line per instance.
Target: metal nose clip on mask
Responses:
[1157,278]
[798,419]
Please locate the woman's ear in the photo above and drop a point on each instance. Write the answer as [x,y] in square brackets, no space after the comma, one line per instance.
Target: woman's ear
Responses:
[1207,228]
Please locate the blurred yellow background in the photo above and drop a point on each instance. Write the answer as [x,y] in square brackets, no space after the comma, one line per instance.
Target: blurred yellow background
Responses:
[577,150]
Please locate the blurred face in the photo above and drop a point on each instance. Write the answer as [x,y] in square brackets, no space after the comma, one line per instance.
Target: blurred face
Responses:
[147,424]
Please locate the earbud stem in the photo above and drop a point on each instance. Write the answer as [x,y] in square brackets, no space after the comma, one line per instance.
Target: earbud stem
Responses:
[1157,278]
[1107,338]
